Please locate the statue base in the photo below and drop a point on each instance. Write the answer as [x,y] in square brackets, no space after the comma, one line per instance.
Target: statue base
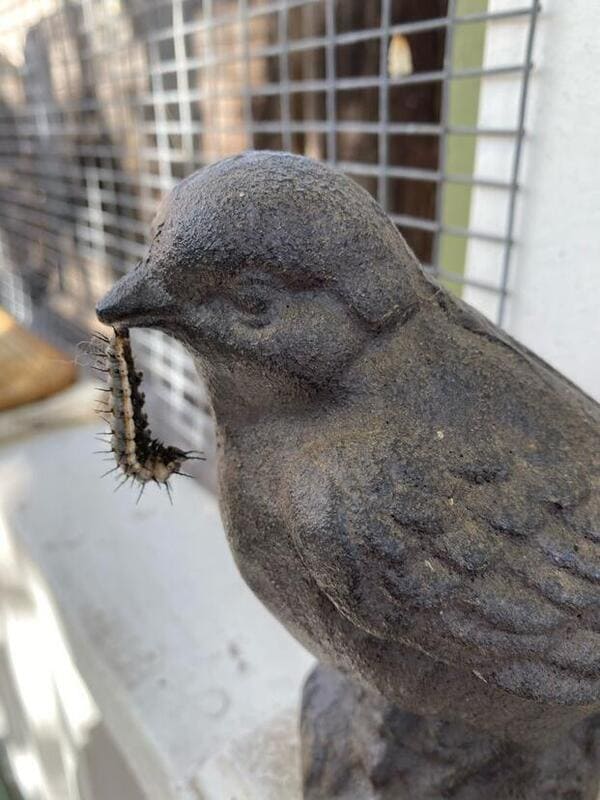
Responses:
[358,746]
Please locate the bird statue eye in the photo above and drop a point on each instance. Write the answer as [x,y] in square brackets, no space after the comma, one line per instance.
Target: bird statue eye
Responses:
[253,300]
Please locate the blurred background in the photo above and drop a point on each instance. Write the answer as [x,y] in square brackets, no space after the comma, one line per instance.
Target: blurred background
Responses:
[106,104]
[473,122]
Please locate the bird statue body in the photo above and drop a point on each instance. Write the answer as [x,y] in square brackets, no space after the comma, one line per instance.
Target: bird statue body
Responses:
[415,495]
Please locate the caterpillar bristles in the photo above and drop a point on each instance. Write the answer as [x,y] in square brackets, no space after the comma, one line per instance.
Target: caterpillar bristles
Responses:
[123,482]
[140,457]
[189,457]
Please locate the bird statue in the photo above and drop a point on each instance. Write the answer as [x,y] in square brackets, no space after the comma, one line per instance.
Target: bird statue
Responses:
[410,491]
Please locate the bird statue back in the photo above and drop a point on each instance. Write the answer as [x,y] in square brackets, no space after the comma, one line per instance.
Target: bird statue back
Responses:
[413,493]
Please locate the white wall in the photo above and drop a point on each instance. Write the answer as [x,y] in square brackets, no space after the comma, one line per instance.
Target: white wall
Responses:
[554,302]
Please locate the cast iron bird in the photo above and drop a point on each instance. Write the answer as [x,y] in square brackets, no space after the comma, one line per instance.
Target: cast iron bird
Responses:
[415,495]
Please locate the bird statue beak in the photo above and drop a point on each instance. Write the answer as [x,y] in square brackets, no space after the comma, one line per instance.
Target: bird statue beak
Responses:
[136,300]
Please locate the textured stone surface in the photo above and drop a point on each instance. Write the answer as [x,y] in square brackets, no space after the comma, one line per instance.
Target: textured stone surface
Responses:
[411,492]
[358,746]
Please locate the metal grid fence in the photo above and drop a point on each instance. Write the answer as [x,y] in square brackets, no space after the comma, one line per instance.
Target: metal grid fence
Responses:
[106,104]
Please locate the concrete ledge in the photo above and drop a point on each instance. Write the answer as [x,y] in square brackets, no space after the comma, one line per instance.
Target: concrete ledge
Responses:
[177,659]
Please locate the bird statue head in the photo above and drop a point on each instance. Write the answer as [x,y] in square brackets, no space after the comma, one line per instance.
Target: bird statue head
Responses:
[269,264]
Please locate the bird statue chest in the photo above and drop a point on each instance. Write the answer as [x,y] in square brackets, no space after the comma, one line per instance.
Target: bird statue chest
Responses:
[255,468]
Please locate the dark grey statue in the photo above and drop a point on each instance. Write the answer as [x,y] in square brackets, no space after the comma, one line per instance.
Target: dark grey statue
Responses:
[415,495]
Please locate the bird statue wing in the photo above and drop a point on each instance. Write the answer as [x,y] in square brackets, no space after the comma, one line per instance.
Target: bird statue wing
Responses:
[507,587]
[479,541]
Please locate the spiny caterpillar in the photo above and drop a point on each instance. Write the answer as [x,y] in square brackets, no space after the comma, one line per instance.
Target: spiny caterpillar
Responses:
[139,456]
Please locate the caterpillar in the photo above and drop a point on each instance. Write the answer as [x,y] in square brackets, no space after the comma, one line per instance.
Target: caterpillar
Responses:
[138,455]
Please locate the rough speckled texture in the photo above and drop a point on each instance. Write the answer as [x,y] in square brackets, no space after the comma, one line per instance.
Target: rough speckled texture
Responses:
[410,491]
[358,746]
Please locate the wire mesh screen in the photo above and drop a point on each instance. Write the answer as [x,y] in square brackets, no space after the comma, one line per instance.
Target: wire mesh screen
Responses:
[106,104]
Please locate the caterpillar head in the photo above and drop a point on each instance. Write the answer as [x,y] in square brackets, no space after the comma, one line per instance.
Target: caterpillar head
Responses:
[273,264]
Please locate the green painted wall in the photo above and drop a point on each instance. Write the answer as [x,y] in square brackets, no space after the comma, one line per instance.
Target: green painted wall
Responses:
[463,108]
